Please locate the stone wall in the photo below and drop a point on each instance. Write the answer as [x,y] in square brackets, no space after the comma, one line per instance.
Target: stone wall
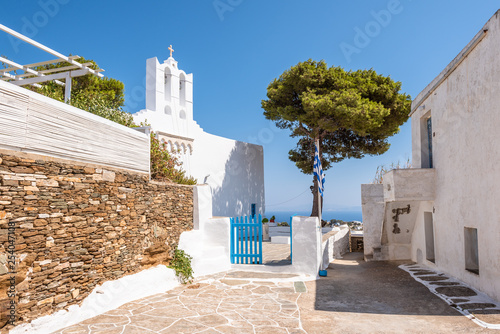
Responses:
[76,226]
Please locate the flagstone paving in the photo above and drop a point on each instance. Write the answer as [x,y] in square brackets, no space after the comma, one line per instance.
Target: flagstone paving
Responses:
[355,297]
[234,302]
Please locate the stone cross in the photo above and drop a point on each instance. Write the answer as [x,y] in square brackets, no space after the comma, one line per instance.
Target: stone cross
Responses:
[171,50]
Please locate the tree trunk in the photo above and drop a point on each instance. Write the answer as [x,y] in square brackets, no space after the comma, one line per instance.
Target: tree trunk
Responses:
[314,190]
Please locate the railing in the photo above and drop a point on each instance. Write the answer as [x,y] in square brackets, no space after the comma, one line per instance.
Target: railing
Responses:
[246,240]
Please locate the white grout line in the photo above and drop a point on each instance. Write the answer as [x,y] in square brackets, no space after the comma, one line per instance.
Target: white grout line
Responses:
[479,298]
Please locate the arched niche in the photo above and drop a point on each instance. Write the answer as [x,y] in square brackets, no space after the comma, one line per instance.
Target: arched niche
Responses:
[168,84]
[167,110]
[182,114]
[182,89]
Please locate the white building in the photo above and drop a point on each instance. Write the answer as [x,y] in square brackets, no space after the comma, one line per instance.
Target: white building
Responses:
[445,212]
[233,169]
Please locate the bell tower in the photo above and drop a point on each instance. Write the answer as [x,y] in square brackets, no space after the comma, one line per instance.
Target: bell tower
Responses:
[169,91]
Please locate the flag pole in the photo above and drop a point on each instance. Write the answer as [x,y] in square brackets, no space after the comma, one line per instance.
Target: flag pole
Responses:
[318,180]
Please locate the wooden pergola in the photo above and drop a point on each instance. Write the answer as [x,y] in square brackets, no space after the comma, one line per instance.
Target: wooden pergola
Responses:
[34,77]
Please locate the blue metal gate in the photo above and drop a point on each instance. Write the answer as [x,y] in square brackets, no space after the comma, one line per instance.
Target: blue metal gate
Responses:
[246,240]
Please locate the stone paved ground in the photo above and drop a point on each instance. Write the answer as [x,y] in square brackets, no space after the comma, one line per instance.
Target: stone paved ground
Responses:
[225,303]
[356,297]
[376,297]
[275,254]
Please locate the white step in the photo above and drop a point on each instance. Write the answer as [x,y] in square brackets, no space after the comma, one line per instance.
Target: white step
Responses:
[280,240]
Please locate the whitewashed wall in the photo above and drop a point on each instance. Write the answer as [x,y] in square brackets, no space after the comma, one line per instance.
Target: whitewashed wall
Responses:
[33,123]
[236,172]
[335,244]
[463,102]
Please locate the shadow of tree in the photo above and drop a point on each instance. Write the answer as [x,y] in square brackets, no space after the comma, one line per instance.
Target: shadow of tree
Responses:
[243,182]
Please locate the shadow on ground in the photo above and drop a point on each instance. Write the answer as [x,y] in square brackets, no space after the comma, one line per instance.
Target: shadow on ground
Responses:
[354,285]
[378,297]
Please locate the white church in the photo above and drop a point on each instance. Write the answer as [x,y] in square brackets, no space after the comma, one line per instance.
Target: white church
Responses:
[234,170]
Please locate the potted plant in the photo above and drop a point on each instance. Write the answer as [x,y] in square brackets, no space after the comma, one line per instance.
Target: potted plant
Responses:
[272,223]
[265,229]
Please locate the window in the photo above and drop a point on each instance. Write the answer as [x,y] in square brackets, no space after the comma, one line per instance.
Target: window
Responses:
[429,140]
[426,134]
[471,250]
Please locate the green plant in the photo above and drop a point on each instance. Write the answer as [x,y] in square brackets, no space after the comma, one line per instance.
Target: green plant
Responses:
[99,106]
[181,264]
[265,220]
[283,224]
[272,219]
[165,165]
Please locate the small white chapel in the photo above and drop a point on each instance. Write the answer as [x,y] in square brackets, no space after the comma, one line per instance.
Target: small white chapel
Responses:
[234,170]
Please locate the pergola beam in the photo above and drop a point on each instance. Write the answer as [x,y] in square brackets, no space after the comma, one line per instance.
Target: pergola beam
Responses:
[47,62]
[46,49]
[33,77]
[10,76]
[18,66]
[26,69]
[59,69]
[50,77]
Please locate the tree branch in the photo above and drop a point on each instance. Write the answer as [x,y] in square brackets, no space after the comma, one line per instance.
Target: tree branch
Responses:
[303,129]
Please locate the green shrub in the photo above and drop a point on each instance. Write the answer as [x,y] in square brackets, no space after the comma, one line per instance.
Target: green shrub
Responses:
[164,165]
[181,264]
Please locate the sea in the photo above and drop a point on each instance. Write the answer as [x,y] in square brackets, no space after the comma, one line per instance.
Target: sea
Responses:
[347,216]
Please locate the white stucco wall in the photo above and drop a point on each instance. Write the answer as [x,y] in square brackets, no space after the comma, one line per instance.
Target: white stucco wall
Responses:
[307,245]
[236,172]
[335,244]
[372,200]
[463,103]
[208,242]
[397,235]
[409,184]
[418,242]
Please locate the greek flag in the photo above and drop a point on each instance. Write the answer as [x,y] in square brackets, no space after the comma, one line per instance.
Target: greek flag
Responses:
[318,171]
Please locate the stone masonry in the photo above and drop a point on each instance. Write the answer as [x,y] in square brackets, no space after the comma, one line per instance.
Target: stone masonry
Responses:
[75,227]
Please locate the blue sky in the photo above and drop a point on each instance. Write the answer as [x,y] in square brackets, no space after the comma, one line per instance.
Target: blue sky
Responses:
[235,48]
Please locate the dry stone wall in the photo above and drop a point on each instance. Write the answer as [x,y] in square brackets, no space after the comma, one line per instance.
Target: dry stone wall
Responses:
[73,227]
